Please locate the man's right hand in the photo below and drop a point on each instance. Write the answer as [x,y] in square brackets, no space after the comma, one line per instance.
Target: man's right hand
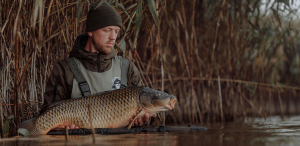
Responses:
[142,120]
[62,127]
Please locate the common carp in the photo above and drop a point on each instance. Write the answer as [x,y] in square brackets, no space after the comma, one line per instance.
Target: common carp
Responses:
[110,109]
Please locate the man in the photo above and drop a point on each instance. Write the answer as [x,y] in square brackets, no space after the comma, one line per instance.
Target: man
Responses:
[95,57]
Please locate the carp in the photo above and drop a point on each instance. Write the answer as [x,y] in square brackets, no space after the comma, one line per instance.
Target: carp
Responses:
[109,109]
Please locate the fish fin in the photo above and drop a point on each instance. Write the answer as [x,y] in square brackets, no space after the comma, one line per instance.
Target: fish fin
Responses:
[148,122]
[30,126]
[158,115]
[142,112]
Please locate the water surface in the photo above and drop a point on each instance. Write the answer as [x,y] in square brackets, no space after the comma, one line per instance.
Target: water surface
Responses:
[258,131]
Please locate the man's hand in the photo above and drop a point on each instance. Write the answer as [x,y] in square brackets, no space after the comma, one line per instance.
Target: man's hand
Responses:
[72,126]
[62,127]
[140,121]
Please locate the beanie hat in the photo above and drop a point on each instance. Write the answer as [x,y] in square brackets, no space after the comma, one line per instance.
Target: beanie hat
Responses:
[102,16]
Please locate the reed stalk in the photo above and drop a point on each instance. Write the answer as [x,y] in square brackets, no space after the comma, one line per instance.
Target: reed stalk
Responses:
[1,116]
[91,123]
[67,133]
[16,85]
[220,99]
[281,108]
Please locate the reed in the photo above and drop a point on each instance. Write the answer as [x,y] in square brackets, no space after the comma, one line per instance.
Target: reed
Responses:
[180,47]
[91,122]
[67,133]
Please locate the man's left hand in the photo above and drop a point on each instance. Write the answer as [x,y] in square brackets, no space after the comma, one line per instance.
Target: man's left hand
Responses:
[142,120]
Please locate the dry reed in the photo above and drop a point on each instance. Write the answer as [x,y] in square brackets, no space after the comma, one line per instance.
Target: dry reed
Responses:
[67,133]
[180,47]
[91,122]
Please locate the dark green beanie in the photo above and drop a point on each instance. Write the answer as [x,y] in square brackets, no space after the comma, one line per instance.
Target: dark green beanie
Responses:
[102,16]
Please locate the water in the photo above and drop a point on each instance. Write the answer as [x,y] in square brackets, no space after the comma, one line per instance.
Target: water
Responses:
[266,132]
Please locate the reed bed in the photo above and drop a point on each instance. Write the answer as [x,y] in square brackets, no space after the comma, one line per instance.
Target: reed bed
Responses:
[224,59]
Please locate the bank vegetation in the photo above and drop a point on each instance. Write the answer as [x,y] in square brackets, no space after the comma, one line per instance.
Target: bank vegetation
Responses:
[223,59]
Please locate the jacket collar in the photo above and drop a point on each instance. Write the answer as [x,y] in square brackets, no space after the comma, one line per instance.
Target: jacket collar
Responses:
[79,52]
[90,60]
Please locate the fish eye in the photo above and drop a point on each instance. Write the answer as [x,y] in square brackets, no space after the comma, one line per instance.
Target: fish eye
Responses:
[158,94]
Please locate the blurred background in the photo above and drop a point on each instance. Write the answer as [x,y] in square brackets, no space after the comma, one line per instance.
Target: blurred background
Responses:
[223,59]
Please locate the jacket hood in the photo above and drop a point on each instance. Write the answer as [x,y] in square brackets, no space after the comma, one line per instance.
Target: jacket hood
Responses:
[79,52]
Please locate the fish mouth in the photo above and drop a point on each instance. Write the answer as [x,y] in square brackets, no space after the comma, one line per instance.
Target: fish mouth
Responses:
[171,104]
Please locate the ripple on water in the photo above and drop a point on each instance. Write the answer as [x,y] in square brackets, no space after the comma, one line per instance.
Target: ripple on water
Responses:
[287,134]
[280,130]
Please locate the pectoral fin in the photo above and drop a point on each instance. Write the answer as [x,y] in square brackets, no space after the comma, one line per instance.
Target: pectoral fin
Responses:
[141,113]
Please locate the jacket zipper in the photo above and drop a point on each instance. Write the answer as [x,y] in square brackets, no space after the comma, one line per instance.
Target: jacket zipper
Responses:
[98,61]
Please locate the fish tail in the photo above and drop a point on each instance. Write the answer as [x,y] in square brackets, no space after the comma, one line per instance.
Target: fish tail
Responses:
[30,126]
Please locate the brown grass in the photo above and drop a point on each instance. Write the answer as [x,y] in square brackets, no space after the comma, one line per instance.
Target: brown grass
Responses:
[183,50]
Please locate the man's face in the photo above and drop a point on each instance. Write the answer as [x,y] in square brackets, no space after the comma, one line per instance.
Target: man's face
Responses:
[104,39]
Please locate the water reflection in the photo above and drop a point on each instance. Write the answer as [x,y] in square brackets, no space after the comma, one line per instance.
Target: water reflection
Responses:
[145,139]
[258,131]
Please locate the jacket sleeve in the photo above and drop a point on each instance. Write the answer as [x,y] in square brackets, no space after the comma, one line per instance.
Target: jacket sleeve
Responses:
[59,85]
[134,76]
